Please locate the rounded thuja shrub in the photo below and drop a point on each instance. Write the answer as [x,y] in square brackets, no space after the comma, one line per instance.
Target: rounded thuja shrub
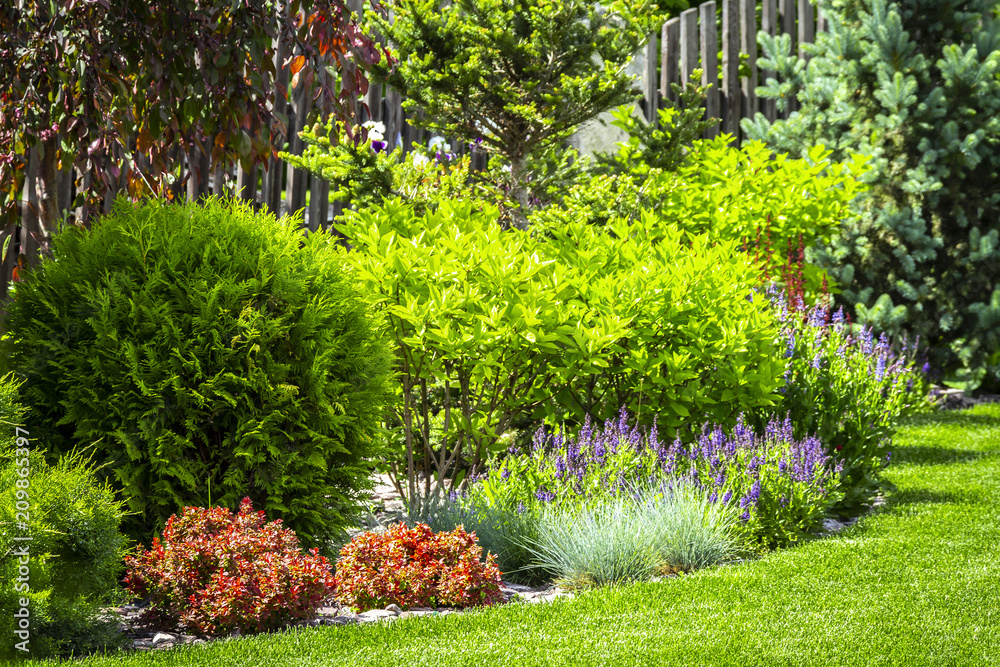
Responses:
[212,353]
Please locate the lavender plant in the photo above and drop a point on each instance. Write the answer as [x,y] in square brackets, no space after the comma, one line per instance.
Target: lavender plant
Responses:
[848,389]
[782,487]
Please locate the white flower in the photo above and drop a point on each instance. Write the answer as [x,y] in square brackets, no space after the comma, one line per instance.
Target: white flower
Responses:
[420,159]
[436,141]
[376,131]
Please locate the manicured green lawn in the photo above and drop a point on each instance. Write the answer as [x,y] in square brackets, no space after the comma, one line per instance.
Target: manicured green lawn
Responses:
[915,583]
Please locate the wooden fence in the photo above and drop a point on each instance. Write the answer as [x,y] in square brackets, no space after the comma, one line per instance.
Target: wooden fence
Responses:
[693,39]
[689,41]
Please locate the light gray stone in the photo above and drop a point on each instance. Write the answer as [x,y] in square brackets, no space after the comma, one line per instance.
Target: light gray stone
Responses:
[394,609]
[375,615]
[162,637]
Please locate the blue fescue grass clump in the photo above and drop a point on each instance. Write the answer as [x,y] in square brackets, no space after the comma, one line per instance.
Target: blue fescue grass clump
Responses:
[848,388]
[631,537]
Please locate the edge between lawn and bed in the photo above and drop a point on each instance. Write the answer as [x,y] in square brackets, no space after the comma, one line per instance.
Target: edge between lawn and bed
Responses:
[914,582]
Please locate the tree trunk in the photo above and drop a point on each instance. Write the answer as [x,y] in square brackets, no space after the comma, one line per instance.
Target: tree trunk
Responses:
[519,192]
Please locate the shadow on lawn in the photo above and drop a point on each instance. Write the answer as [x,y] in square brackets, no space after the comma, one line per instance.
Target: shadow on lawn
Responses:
[900,497]
[971,417]
[930,456]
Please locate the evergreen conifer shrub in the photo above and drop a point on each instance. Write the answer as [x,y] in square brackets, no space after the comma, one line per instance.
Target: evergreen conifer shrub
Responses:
[212,353]
[914,85]
[53,585]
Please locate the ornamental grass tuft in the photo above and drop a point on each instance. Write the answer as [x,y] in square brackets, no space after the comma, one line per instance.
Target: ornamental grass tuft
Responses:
[632,537]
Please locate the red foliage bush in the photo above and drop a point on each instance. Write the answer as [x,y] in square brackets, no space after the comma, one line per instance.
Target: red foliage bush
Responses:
[215,572]
[414,567]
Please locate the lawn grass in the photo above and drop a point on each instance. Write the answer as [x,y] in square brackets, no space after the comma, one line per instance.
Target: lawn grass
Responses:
[914,583]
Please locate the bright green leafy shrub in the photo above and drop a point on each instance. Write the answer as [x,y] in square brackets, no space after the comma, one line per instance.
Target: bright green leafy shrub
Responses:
[74,557]
[474,315]
[363,172]
[414,567]
[492,324]
[915,86]
[664,324]
[215,572]
[212,353]
[769,204]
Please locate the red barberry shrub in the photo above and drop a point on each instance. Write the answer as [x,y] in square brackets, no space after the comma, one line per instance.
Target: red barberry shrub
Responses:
[414,567]
[215,572]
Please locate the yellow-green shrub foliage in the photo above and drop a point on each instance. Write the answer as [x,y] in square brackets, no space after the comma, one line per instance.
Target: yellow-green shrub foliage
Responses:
[491,325]
[212,353]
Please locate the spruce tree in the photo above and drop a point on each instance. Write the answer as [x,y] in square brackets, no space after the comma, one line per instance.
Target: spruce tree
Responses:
[914,85]
[519,75]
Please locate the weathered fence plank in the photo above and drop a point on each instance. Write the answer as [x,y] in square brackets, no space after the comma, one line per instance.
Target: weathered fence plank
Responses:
[768,24]
[731,68]
[710,64]
[649,87]
[748,45]
[297,179]
[670,54]
[689,43]
[787,10]
[807,26]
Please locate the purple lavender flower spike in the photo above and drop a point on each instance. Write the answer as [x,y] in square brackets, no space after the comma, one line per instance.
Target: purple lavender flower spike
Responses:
[880,367]
[505,473]
[720,479]
[544,495]
[713,497]
[790,350]
[867,341]
[817,362]
[538,441]
[754,494]
[521,509]
[727,496]
[817,316]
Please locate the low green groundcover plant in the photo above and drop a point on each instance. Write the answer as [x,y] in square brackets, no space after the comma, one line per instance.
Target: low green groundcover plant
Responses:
[215,572]
[211,352]
[53,585]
